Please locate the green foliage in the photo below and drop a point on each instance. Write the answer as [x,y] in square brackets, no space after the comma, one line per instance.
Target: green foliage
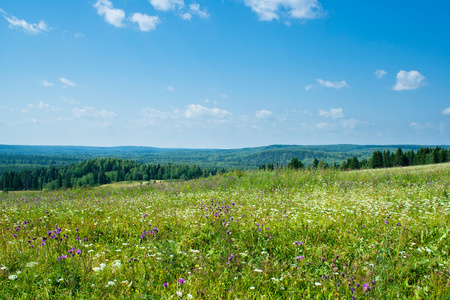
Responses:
[284,234]
[98,172]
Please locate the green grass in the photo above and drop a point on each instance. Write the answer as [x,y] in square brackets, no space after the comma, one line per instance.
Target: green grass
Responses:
[387,229]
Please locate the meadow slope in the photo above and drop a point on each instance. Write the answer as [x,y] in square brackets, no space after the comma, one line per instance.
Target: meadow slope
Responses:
[324,234]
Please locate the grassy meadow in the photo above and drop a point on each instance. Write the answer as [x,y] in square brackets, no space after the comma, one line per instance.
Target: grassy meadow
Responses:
[325,234]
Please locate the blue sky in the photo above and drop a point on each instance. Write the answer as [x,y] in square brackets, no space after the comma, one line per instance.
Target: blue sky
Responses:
[224,74]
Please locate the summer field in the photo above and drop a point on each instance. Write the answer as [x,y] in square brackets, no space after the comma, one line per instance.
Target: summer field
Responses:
[325,234]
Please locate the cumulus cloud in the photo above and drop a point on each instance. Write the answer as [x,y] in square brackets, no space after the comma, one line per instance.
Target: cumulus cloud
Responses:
[113,16]
[186,16]
[46,83]
[145,22]
[41,106]
[193,115]
[380,73]
[333,113]
[170,88]
[335,85]
[419,126]
[33,28]
[195,9]
[67,82]
[308,87]
[198,111]
[268,10]
[263,114]
[408,81]
[166,5]
[349,124]
[92,113]
[446,111]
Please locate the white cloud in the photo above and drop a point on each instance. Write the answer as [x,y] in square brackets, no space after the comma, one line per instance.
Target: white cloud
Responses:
[113,16]
[198,111]
[308,87]
[323,125]
[408,81]
[32,28]
[268,10]
[41,106]
[91,113]
[334,113]
[419,126]
[166,5]
[380,73]
[186,16]
[195,9]
[46,83]
[446,111]
[263,114]
[335,85]
[153,117]
[349,124]
[70,101]
[170,88]
[146,23]
[67,82]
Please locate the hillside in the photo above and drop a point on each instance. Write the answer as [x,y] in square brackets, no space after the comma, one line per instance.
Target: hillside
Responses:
[18,158]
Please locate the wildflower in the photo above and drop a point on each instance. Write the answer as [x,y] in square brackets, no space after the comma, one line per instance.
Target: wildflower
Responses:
[300,257]
[3,268]
[252,287]
[366,287]
[12,277]
[181,281]
[179,294]
[31,264]
[165,284]
[317,283]
[111,283]
[189,296]
[258,270]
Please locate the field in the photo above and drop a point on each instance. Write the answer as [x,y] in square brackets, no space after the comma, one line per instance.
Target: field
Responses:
[325,234]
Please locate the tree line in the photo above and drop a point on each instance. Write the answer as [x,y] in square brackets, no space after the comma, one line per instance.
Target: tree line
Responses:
[97,172]
[385,159]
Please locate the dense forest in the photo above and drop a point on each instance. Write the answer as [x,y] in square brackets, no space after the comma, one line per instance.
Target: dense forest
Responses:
[97,172]
[94,172]
[385,159]
[20,158]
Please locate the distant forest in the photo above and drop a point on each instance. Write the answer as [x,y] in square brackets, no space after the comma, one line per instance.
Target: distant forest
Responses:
[385,159]
[101,171]
[19,158]
[96,172]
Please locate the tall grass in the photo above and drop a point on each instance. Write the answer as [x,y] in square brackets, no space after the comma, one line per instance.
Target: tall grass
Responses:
[256,235]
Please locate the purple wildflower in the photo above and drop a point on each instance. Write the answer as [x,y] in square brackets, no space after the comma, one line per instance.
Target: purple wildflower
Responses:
[165,284]
[366,287]
[181,281]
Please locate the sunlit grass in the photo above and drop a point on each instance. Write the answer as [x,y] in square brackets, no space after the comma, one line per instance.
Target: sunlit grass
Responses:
[253,235]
